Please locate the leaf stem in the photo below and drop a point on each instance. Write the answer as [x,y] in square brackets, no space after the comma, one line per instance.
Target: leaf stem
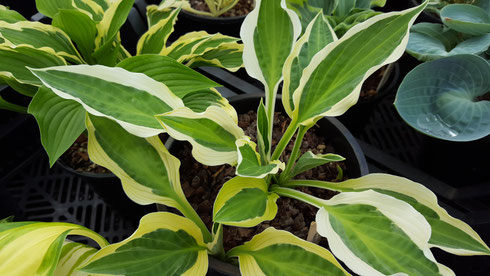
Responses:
[334,186]
[287,192]
[286,137]
[294,154]
[189,212]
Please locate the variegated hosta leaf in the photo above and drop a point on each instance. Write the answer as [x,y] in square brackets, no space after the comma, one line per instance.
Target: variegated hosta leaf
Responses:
[430,41]
[131,99]
[353,18]
[199,101]
[60,121]
[15,61]
[331,83]
[163,244]
[308,9]
[73,255]
[10,16]
[344,7]
[263,132]
[155,14]
[195,44]
[39,36]
[249,162]
[113,19]
[244,202]
[226,55]
[277,252]
[81,29]
[441,98]
[34,248]
[466,18]
[376,234]
[212,133]
[317,35]
[309,160]
[268,34]
[155,39]
[49,8]
[448,233]
[92,8]
[148,172]
[179,78]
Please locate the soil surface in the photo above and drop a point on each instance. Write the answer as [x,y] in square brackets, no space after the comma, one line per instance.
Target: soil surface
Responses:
[201,184]
[243,7]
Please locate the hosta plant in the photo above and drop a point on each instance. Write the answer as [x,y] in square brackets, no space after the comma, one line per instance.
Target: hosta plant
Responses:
[87,32]
[216,7]
[378,224]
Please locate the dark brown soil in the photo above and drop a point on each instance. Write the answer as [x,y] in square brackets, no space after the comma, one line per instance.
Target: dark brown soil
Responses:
[369,88]
[243,7]
[202,183]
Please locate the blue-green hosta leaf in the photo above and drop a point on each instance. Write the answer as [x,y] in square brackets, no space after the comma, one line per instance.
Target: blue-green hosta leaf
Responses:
[40,36]
[148,172]
[81,29]
[430,41]
[244,202]
[448,233]
[155,39]
[249,162]
[14,63]
[316,36]
[440,98]
[309,160]
[366,4]
[131,99]
[277,252]
[34,248]
[465,18]
[179,78]
[163,244]
[376,234]
[331,83]
[73,255]
[226,55]
[112,21]
[484,4]
[268,34]
[212,133]
[10,16]
[60,121]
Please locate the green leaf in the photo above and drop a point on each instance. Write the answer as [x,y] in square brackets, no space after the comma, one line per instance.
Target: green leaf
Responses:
[163,244]
[268,34]
[440,98]
[60,121]
[374,233]
[80,28]
[331,83]
[249,162]
[51,7]
[199,101]
[7,219]
[179,78]
[6,105]
[112,21]
[10,16]
[244,202]
[353,18]
[39,36]
[344,7]
[139,98]
[226,55]
[277,252]
[14,63]
[263,131]
[19,240]
[212,147]
[317,35]
[309,161]
[465,18]
[73,255]
[429,41]
[94,8]
[155,39]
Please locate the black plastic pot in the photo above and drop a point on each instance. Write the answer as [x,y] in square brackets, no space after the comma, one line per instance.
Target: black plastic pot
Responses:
[425,16]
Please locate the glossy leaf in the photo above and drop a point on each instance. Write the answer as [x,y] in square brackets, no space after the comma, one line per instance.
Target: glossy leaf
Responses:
[73,255]
[277,252]
[155,39]
[309,161]
[10,16]
[317,35]
[429,41]
[465,18]
[139,98]
[440,98]
[244,202]
[16,241]
[60,121]
[215,145]
[163,244]
[148,172]
[249,162]
[331,83]
[40,36]
[375,234]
